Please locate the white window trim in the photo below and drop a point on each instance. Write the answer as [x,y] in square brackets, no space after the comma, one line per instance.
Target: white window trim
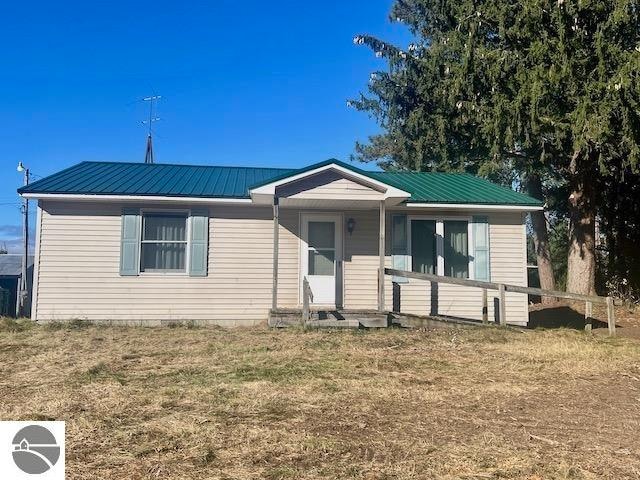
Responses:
[440,240]
[166,273]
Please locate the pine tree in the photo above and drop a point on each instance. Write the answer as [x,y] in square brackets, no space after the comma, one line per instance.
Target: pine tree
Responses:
[543,93]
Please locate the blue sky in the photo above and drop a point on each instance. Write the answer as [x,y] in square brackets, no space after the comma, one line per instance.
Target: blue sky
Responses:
[243,83]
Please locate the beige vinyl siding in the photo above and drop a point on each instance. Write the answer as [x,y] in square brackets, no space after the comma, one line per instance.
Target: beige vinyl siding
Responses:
[507,243]
[288,258]
[361,261]
[342,189]
[329,185]
[79,270]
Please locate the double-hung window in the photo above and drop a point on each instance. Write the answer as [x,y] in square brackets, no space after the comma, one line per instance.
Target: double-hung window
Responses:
[163,245]
[440,246]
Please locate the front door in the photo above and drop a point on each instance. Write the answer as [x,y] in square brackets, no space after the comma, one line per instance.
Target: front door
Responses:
[322,256]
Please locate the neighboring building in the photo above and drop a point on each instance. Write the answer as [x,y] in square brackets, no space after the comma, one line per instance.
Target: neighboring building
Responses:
[10,274]
[133,242]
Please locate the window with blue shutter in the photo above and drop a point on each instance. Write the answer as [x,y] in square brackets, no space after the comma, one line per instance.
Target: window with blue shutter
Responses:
[164,242]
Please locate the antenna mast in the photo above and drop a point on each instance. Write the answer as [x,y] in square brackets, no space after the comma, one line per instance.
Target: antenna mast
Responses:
[148,156]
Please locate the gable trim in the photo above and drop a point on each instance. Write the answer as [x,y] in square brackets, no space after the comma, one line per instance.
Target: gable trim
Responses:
[264,193]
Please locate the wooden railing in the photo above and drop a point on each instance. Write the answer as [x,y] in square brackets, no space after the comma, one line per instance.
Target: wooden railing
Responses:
[307,297]
[502,288]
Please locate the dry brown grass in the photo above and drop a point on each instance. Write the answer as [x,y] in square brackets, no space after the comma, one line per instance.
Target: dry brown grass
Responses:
[181,403]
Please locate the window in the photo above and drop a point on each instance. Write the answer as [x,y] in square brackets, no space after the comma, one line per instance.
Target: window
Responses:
[424,251]
[440,247]
[322,248]
[164,242]
[456,249]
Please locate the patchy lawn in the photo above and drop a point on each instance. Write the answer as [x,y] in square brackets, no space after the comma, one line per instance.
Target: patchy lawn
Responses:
[180,403]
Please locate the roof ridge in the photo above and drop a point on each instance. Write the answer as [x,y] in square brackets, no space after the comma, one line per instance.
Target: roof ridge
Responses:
[244,167]
[422,173]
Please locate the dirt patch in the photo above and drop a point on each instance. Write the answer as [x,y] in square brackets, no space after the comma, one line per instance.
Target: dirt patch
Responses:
[404,404]
[571,315]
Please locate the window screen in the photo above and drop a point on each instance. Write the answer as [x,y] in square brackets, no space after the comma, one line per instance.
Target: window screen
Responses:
[164,243]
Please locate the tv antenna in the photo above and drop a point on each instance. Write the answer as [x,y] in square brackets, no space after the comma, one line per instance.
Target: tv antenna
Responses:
[148,156]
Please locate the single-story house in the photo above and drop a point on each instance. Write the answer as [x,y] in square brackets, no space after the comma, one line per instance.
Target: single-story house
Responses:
[10,275]
[154,243]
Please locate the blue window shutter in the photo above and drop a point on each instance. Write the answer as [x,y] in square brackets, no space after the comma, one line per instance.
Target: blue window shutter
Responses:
[481,248]
[399,245]
[199,242]
[130,242]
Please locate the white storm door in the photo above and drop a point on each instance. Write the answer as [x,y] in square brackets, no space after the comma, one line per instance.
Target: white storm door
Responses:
[322,255]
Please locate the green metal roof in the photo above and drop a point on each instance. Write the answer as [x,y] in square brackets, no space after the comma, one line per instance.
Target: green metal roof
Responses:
[437,187]
[140,179]
[158,179]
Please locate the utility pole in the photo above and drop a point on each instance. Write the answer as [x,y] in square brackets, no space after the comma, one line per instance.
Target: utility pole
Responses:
[23,287]
[148,156]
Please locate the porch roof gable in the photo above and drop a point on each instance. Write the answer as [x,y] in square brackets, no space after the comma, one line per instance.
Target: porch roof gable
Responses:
[265,191]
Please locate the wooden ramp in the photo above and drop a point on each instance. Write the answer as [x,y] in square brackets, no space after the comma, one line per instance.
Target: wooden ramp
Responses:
[344,318]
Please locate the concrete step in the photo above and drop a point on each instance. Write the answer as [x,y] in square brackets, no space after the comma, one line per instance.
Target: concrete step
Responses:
[329,318]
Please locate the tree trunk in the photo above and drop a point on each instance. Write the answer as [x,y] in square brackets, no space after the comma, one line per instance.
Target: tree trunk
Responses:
[581,262]
[541,240]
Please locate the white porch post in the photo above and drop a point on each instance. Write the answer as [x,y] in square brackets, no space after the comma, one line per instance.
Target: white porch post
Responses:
[276,242]
[381,252]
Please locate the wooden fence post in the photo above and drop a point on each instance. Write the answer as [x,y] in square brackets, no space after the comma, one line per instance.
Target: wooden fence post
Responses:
[611,316]
[588,316]
[485,307]
[305,301]
[502,305]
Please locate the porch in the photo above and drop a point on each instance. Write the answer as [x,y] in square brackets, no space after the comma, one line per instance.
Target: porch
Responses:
[331,245]
[330,226]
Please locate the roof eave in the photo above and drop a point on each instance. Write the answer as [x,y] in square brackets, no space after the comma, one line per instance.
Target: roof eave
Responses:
[84,197]
[475,206]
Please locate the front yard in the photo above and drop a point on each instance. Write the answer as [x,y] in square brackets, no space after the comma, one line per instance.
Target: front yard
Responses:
[196,403]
